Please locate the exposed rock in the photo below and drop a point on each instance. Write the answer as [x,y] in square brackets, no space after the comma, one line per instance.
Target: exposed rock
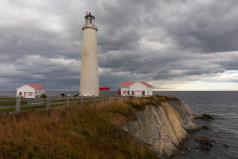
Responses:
[204,117]
[162,127]
[205,143]
[225,145]
[186,114]
[204,127]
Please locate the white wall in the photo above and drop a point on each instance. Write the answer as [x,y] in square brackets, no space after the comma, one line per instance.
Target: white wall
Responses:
[149,91]
[138,88]
[124,91]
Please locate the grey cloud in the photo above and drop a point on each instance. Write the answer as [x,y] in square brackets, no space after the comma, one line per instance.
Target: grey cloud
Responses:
[193,38]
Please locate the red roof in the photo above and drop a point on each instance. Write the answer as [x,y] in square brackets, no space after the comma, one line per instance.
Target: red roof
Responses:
[37,86]
[104,88]
[146,84]
[129,83]
[126,84]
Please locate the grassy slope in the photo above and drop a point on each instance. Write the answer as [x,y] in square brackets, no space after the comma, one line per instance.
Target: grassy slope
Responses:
[88,131]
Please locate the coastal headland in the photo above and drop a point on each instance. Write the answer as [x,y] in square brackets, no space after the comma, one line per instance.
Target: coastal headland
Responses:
[121,128]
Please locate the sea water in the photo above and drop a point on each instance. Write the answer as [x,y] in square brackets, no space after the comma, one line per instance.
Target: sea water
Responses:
[224,129]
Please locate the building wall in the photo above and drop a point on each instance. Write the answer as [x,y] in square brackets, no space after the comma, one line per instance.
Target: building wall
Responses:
[138,88]
[125,91]
[149,91]
[89,80]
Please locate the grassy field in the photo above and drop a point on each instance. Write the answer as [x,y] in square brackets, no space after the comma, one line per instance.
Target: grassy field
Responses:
[7,101]
[88,131]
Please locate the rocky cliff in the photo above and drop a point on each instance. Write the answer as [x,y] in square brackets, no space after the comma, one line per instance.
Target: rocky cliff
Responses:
[163,125]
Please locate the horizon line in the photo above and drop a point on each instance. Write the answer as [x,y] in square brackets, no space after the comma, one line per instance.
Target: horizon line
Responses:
[154,91]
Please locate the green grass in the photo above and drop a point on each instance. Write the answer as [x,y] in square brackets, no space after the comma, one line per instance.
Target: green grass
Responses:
[7,110]
[7,102]
[3,98]
[86,132]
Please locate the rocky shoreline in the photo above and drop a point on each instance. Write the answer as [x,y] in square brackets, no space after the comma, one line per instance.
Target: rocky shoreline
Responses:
[201,143]
[163,127]
[167,125]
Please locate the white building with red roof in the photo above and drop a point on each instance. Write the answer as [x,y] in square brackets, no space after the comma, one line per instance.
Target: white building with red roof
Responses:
[138,89]
[30,90]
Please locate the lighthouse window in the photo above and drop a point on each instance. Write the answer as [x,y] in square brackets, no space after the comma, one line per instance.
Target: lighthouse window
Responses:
[87,21]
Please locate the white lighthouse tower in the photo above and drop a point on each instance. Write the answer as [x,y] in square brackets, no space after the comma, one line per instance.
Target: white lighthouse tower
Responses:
[89,80]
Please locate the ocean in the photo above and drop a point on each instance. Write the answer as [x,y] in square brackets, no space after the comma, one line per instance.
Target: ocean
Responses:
[224,129]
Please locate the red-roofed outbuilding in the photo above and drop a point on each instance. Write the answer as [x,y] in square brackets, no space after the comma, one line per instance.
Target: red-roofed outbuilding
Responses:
[140,88]
[30,90]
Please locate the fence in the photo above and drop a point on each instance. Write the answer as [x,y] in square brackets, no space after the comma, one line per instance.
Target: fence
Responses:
[20,104]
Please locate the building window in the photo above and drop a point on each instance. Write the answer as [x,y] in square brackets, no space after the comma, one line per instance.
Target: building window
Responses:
[132,93]
[143,93]
[124,92]
[30,93]
[20,93]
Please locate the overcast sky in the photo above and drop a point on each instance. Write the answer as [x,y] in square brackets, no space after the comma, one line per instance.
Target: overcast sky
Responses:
[174,44]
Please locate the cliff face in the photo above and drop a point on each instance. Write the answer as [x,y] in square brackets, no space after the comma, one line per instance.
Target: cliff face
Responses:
[162,126]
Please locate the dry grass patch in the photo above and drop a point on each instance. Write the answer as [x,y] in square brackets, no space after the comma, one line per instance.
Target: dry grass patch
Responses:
[89,131]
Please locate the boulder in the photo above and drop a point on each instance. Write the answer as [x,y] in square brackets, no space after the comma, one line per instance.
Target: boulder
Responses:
[205,117]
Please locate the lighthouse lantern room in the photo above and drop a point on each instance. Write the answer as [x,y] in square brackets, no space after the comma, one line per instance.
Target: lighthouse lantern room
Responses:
[89,21]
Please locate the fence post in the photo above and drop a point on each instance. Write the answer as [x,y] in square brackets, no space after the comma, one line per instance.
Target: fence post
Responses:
[81,100]
[67,100]
[18,104]
[94,100]
[48,103]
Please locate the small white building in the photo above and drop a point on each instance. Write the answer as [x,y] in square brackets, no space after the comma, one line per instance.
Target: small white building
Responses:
[138,89]
[31,90]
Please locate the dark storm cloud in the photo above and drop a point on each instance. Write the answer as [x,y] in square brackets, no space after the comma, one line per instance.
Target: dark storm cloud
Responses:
[40,41]
[208,25]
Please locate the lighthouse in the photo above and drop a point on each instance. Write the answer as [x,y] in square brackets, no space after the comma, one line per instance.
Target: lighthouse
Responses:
[89,79]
